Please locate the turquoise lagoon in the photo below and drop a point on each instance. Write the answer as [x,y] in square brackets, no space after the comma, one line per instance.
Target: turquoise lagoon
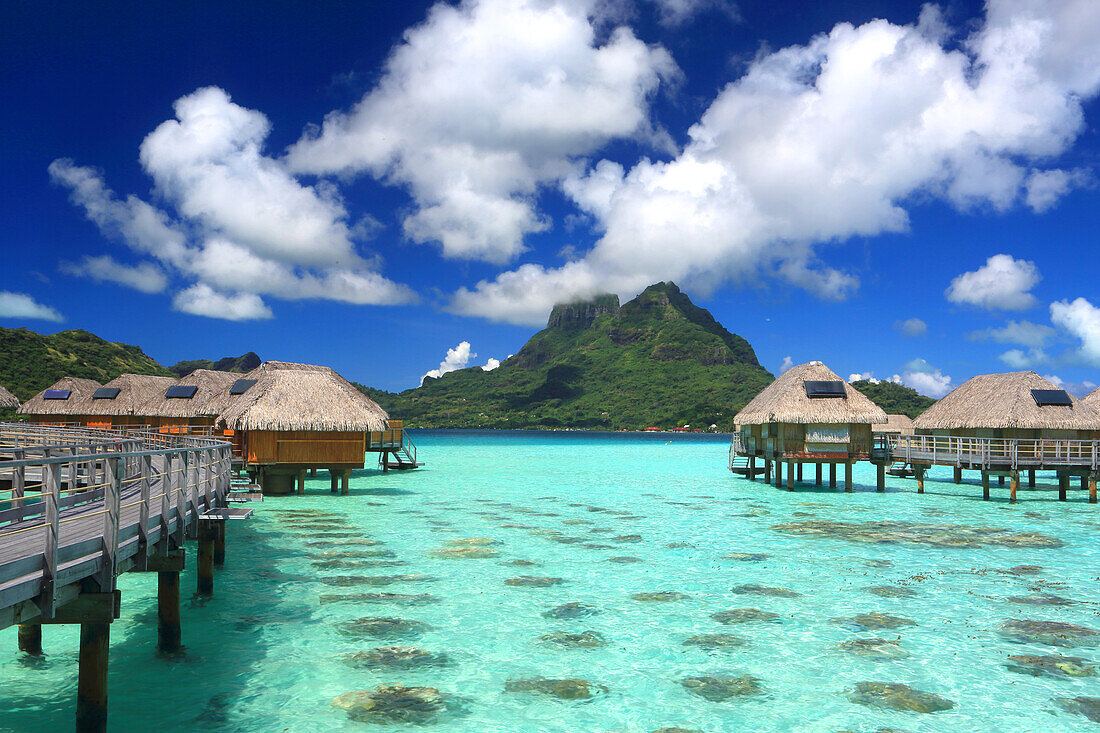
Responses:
[264,654]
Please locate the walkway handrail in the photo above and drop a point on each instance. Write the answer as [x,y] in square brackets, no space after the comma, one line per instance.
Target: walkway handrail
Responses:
[994,453]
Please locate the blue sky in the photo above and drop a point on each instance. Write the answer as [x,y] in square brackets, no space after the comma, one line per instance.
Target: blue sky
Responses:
[896,189]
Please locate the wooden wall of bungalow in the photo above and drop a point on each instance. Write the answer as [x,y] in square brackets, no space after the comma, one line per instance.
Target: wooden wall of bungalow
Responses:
[809,442]
[305,447]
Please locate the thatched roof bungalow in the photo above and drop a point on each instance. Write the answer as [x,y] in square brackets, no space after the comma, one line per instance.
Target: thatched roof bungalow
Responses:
[1011,405]
[1092,399]
[8,401]
[120,402]
[896,425]
[199,406]
[809,414]
[66,400]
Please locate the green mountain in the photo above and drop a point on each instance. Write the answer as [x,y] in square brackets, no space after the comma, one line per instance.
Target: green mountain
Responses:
[658,360]
[896,399]
[244,363]
[30,362]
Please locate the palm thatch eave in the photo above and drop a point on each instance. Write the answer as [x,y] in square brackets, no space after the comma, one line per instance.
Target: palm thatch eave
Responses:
[785,401]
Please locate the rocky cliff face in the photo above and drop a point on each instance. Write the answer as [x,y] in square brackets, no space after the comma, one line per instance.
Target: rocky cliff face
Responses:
[570,316]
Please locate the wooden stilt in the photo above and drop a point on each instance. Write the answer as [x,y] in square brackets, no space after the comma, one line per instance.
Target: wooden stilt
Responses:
[880,477]
[1031,479]
[985,485]
[790,475]
[1063,484]
[832,475]
[30,639]
[219,543]
[1012,486]
[799,473]
[767,471]
[91,686]
[302,481]
[169,634]
[958,475]
[344,480]
[848,476]
[919,473]
[750,471]
[207,532]
[334,479]
[817,480]
[1000,480]
[1092,488]
[1084,482]
[779,474]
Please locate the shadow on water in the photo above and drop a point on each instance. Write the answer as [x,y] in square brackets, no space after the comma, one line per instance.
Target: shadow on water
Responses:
[197,689]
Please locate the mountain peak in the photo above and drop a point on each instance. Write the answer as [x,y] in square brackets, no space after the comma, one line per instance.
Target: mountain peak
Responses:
[582,314]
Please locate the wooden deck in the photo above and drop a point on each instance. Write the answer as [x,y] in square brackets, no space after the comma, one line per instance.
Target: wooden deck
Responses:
[78,506]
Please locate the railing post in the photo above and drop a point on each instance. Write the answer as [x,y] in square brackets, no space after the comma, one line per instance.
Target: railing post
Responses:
[145,472]
[19,479]
[178,491]
[51,482]
[112,507]
[165,504]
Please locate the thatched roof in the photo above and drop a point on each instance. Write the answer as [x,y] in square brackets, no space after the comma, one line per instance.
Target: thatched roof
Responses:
[1092,399]
[81,389]
[134,391]
[316,399]
[898,424]
[1004,401]
[8,401]
[785,400]
[211,397]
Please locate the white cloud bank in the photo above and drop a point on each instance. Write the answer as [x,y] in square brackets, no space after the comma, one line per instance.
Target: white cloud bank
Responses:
[1035,335]
[1081,319]
[926,379]
[245,226]
[145,277]
[21,305]
[911,327]
[1002,283]
[480,105]
[827,141]
[459,358]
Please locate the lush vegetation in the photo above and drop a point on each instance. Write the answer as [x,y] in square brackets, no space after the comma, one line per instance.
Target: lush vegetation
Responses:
[244,363]
[896,399]
[30,362]
[658,360]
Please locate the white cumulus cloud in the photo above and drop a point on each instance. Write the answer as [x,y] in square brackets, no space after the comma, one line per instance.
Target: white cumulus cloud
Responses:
[1026,333]
[830,140]
[870,377]
[481,104]
[911,327]
[926,379]
[202,300]
[1020,359]
[21,305]
[1077,389]
[456,358]
[491,364]
[1081,319]
[1002,283]
[145,276]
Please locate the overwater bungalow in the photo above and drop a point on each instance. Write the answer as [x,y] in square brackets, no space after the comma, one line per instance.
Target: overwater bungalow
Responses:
[896,425]
[63,402]
[191,401]
[120,403]
[1003,423]
[808,415]
[8,401]
[293,418]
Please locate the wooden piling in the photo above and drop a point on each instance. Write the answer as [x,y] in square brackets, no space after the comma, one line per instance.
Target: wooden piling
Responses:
[958,475]
[1012,486]
[1092,488]
[750,470]
[832,475]
[169,632]
[1001,480]
[30,639]
[219,543]
[817,480]
[880,477]
[767,471]
[207,533]
[799,473]
[791,475]
[919,473]
[91,686]
[302,481]
[1063,484]
[1031,478]
[848,476]
[334,480]
[345,479]
[1084,482]
[779,474]
[985,485]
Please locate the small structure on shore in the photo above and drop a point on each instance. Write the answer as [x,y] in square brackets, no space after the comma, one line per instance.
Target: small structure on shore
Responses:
[63,402]
[808,415]
[199,397]
[1000,423]
[120,403]
[8,401]
[296,417]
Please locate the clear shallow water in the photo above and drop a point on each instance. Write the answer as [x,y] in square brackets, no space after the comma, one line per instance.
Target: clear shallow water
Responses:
[265,655]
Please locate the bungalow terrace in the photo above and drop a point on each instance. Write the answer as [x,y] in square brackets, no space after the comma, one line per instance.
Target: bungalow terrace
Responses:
[807,415]
[293,418]
[63,402]
[1002,423]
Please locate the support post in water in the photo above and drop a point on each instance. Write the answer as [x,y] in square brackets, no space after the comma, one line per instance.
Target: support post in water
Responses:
[1001,480]
[779,474]
[334,480]
[817,479]
[832,475]
[302,481]
[345,479]
[767,471]
[750,471]
[919,473]
[207,533]
[848,476]
[880,477]
[799,473]
[791,474]
[30,639]
[958,475]
[1031,479]
[169,632]
[1013,484]
[219,543]
[1092,488]
[1063,483]
[985,485]
[91,686]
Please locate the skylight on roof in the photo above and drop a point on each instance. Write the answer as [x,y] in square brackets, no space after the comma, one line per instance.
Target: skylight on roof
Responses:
[106,393]
[241,386]
[181,392]
[1044,397]
[57,394]
[817,389]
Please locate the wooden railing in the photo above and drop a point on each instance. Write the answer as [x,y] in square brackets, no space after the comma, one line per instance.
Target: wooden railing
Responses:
[79,503]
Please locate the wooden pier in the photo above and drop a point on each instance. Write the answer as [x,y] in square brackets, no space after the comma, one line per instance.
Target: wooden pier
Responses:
[912,455]
[78,507]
